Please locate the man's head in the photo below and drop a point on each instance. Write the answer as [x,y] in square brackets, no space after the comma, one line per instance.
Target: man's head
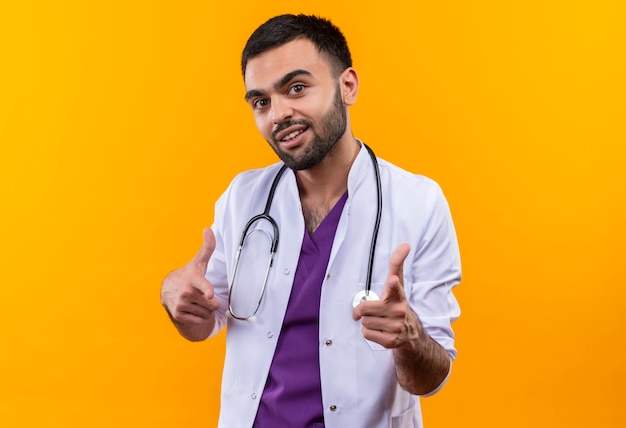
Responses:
[277,31]
[299,83]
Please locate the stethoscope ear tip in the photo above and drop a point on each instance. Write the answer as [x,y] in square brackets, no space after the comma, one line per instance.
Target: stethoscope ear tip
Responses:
[252,319]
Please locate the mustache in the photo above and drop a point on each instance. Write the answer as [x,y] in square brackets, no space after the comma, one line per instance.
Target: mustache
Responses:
[286,124]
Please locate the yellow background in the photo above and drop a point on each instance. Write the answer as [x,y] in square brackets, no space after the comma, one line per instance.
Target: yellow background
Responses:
[122,121]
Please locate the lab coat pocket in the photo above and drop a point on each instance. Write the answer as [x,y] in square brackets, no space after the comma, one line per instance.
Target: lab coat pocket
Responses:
[376,290]
[405,420]
[375,346]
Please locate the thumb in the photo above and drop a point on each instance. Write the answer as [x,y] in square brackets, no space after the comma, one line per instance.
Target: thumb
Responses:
[393,289]
[203,256]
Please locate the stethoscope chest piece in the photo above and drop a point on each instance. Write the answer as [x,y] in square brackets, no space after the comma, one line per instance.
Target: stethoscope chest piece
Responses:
[363,296]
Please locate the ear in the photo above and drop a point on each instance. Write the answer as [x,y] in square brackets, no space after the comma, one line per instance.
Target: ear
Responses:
[349,83]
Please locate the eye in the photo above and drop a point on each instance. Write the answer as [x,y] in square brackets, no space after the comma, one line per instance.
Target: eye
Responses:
[296,89]
[260,103]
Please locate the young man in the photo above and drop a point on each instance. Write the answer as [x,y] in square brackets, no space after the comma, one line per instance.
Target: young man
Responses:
[309,343]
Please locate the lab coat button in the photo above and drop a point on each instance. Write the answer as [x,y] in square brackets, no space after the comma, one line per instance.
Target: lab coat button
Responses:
[286,271]
[333,408]
[270,334]
[328,342]
[253,396]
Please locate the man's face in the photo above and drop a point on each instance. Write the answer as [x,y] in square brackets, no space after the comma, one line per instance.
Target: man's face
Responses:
[296,102]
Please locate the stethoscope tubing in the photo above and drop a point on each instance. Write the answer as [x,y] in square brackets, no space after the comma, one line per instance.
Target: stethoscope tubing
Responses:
[379,209]
[265,215]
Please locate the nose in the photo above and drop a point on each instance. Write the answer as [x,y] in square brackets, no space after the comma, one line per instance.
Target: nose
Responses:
[281,110]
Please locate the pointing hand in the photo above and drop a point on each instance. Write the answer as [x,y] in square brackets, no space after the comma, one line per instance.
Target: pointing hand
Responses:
[389,321]
[188,296]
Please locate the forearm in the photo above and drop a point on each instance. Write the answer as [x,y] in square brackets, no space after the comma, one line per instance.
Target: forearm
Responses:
[421,364]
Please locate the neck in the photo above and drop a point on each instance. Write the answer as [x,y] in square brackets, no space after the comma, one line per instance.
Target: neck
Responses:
[329,179]
[322,186]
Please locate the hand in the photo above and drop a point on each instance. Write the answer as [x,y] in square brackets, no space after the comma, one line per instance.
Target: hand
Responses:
[421,363]
[390,321]
[188,296]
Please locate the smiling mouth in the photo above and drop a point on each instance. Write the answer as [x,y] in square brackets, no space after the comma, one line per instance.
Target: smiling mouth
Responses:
[289,131]
[292,135]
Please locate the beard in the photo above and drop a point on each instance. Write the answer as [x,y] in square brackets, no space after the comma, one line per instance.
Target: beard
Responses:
[332,127]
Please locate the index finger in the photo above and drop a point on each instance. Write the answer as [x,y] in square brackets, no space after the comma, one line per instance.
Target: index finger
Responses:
[201,259]
[393,288]
[396,261]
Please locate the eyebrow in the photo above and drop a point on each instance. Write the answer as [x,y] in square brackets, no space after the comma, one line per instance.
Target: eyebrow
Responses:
[279,83]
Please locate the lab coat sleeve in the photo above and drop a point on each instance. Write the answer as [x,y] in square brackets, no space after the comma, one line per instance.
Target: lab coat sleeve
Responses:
[217,267]
[230,209]
[435,271]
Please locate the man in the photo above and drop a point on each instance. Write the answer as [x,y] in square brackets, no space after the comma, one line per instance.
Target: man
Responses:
[307,346]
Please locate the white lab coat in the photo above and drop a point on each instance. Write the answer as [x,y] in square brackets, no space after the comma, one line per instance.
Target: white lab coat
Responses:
[359,387]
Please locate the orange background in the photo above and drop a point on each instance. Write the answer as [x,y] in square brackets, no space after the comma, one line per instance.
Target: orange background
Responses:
[122,121]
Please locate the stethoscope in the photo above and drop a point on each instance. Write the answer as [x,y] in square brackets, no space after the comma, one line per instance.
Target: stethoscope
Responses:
[363,295]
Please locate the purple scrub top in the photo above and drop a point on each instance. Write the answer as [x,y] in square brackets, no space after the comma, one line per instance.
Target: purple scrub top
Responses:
[293,391]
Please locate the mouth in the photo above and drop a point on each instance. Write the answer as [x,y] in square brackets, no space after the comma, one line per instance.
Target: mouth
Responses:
[290,133]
